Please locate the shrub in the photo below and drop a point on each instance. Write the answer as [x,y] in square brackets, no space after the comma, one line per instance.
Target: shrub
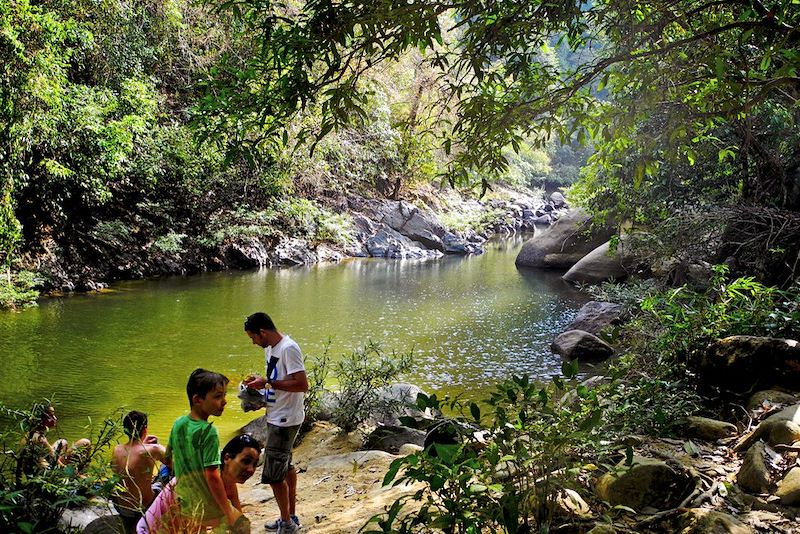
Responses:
[360,374]
[317,369]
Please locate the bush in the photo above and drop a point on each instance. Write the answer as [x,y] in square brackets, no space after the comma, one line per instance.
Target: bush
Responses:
[32,496]
[18,290]
[360,374]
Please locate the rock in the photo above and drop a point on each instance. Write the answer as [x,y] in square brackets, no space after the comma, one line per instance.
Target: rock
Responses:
[99,512]
[647,483]
[388,243]
[411,222]
[246,254]
[770,397]
[778,431]
[790,413]
[408,449]
[562,244]
[789,488]
[703,521]
[708,429]
[256,428]
[602,264]
[391,403]
[351,459]
[754,475]
[292,251]
[570,503]
[743,363]
[108,524]
[391,438]
[558,200]
[577,344]
[594,317]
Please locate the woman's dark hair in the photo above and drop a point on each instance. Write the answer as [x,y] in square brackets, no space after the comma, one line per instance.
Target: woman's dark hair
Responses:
[237,445]
[257,322]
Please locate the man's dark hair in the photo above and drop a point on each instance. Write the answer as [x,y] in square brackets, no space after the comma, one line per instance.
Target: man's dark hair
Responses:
[202,381]
[257,322]
[133,423]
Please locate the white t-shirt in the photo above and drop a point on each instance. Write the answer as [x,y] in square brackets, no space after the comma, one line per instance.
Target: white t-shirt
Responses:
[284,408]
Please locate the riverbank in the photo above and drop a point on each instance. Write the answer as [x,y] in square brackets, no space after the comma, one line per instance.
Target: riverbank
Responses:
[428,224]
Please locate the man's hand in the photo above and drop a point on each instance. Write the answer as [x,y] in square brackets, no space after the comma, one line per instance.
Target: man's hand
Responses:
[151,439]
[255,381]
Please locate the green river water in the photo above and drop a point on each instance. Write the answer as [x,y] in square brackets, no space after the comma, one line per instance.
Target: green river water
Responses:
[470,320]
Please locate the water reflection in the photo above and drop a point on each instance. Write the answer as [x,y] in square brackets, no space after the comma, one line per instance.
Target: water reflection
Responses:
[471,321]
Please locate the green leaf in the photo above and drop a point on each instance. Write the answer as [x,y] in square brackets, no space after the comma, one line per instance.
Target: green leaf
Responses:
[475,410]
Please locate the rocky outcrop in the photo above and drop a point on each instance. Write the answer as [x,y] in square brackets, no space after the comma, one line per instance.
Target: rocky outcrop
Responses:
[594,317]
[580,345]
[743,363]
[564,243]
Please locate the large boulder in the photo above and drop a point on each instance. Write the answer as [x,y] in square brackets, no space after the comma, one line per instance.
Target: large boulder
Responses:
[601,264]
[594,317]
[564,243]
[742,363]
[577,344]
[646,483]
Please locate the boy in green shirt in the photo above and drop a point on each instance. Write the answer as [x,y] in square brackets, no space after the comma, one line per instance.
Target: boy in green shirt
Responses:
[194,449]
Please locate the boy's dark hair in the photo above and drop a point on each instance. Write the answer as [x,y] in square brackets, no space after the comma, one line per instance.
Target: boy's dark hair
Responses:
[202,381]
[237,445]
[257,322]
[133,423]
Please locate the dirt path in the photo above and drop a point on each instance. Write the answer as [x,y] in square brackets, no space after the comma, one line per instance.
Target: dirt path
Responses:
[338,488]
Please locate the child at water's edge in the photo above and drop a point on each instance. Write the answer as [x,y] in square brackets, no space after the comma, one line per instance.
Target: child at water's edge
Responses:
[194,450]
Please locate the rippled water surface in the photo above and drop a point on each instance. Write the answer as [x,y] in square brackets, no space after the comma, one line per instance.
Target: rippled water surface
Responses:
[471,321]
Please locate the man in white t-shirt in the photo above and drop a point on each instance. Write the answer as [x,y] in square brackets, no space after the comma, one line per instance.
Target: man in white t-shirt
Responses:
[286,383]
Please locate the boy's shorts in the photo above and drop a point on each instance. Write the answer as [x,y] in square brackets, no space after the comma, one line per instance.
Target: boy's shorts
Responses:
[278,453]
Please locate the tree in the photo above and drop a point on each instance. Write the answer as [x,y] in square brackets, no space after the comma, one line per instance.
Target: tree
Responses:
[706,66]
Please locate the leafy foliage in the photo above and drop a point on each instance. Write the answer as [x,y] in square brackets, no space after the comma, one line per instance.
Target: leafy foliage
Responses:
[497,80]
[360,374]
[33,495]
[507,478]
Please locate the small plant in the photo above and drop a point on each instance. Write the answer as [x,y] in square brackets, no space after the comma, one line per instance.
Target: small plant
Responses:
[360,374]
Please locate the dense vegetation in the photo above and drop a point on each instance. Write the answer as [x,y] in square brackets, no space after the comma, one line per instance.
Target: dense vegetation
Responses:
[103,171]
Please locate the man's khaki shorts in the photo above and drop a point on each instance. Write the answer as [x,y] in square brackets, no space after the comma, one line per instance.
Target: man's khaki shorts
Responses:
[278,453]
